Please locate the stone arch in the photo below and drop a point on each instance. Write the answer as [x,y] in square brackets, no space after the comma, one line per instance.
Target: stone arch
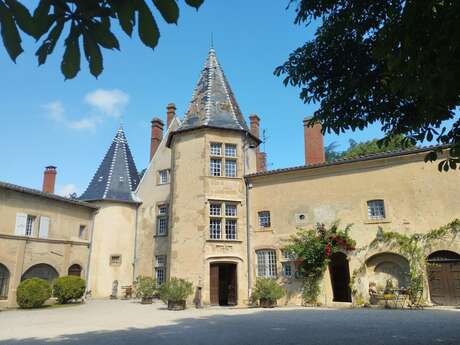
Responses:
[384,266]
[43,271]
[4,281]
[75,270]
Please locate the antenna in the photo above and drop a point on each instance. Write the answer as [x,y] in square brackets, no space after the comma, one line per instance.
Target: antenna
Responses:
[212,40]
[264,139]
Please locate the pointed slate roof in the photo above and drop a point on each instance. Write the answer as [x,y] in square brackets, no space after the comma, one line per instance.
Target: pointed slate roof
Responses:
[117,177]
[213,103]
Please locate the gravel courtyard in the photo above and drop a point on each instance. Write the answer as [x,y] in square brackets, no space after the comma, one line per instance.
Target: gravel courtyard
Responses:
[127,322]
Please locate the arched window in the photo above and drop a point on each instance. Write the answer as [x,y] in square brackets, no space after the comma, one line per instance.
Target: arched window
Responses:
[4,280]
[74,270]
[42,271]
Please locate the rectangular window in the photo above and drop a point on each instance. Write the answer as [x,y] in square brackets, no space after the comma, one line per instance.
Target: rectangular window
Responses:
[30,225]
[164,176]
[230,150]
[216,167]
[82,232]
[230,210]
[266,263]
[230,229]
[115,260]
[160,269]
[162,220]
[216,149]
[376,209]
[230,168]
[264,219]
[215,228]
[215,209]
[287,269]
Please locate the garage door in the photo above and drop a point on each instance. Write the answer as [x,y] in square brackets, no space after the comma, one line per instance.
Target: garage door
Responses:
[444,277]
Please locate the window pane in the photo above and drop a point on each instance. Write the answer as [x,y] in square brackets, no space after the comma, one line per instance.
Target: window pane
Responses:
[214,228]
[160,260]
[375,209]
[216,149]
[230,210]
[230,150]
[163,209]
[264,219]
[216,167]
[162,227]
[230,167]
[230,229]
[266,263]
[215,209]
[287,269]
[164,176]
[160,275]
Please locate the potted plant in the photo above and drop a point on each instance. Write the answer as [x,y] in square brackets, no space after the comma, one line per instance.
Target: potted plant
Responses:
[145,288]
[175,292]
[267,291]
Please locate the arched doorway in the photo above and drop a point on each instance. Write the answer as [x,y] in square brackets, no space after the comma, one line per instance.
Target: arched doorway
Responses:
[74,270]
[43,271]
[340,277]
[388,266]
[4,281]
[444,277]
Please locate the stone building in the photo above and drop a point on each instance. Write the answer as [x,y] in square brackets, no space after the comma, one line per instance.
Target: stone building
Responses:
[207,210]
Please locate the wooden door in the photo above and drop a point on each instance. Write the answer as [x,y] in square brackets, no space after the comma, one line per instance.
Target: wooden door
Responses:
[214,284]
[232,286]
[444,277]
[455,282]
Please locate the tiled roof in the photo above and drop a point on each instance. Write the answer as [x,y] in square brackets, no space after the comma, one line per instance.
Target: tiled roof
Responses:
[213,103]
[117,177]
[39,193]
[369,157]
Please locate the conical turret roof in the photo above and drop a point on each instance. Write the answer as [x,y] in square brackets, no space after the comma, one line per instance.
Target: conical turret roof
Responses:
[213,103]
[117,177]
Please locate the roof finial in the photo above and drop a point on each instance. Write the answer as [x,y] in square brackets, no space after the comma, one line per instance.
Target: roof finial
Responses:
[212,41]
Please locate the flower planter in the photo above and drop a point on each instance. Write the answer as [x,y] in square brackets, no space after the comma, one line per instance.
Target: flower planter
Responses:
[267,303]
[146,300]
[176,305]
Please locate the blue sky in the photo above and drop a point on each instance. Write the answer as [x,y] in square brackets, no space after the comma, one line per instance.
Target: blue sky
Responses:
[48,121]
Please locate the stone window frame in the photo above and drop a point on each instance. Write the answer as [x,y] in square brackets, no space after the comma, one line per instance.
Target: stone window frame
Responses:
[162,218]
[287,264]
[160,269]
[376,209]
[223,159]
[266,263]
[114,262]
[264,219]
[164,176]
[83,232]
[223,225]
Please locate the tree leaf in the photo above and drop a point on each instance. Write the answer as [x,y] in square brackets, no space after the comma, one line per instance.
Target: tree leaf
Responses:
[93,55]
[10,34]
[147,28]
[48,45]
[43,20]
[104,36]
[70,65]
[126,16]
[22,16]
[194,3]
[168,9]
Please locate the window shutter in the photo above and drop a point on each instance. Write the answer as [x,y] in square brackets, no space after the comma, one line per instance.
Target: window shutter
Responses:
[21,220]
[44,227]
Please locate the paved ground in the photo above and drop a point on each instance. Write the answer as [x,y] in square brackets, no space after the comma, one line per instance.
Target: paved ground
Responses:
[126,322]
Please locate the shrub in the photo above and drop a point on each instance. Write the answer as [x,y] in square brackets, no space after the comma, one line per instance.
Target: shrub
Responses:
[145,287]
[176,290]
[267,289]
[32,293]
[68,288]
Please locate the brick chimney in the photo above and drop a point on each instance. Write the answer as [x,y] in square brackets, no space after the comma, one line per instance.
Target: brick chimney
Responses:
[261,157]
[314,145]
[170,113]
[157,135]
[49,179]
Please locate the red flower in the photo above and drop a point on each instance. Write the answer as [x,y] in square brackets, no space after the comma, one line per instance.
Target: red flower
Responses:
[328,249]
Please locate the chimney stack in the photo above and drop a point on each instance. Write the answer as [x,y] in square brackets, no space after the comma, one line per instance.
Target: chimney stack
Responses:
[49,179]
[157,135]
[314,145]
[170,113]
[261,157]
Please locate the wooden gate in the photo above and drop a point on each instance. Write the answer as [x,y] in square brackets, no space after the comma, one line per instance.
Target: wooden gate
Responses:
[444,277]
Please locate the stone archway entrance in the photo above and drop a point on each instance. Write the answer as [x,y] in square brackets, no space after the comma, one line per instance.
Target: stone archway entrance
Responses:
[444,277]
[340,277]
[223,284]
[42,271]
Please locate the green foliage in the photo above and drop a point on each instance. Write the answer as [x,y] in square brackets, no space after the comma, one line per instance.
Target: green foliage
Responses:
[313,249]
[355,149]
[145,287]
[382,61]
[89,23]
[68,288]
[268,289]
[176,290]
[32,293]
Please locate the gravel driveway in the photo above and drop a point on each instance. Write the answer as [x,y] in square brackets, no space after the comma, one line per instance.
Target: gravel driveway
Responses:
[126,322]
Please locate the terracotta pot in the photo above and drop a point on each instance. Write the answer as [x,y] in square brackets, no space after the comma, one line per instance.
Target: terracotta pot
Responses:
[266,303]
[176,305]
[146,300]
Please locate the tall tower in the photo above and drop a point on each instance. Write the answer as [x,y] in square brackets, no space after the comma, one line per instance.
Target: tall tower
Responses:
[212,150]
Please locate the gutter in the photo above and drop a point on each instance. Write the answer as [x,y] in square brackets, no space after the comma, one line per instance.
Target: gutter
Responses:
[88,265]
[135,245]
[248,227]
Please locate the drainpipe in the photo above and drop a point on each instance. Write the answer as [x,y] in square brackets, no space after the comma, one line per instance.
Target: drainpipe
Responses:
[91,241]
[248,232]
[135,244]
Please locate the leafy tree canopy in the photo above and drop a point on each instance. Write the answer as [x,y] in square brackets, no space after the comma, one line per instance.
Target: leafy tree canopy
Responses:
[387,61]
[88,24]
[355,149]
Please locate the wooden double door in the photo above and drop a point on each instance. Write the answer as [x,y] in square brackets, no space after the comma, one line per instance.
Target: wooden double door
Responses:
[444,278]
[223,284]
